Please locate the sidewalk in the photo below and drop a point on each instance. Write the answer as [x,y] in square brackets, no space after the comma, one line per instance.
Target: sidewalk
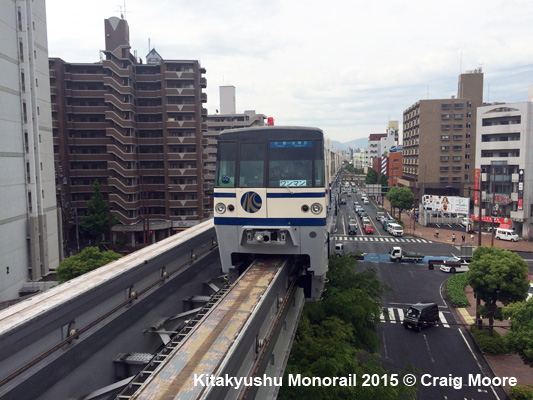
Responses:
[445,235]
[506,365]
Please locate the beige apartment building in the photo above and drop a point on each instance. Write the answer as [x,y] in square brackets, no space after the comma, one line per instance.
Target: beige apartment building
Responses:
[439,140]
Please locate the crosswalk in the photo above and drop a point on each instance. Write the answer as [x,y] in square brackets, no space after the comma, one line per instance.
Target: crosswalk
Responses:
[380,239]
[394,315]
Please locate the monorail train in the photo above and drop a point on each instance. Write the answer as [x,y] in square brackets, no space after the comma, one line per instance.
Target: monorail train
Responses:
[271,198]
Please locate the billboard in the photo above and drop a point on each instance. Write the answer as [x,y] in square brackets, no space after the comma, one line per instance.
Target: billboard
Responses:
[446,204]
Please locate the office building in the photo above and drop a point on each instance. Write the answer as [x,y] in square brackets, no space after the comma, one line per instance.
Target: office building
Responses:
[439,141]
[216,123]
[503,165]
[29,239]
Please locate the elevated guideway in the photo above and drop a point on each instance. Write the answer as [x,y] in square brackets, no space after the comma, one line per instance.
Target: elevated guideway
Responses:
[231,341]
[90,337]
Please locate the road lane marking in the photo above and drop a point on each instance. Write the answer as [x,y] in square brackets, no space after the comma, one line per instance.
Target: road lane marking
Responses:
[429,350]
[443,320]
[392,318]
[477,361]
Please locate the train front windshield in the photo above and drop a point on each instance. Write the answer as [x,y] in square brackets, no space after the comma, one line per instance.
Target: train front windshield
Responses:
[291,164]
[273,163]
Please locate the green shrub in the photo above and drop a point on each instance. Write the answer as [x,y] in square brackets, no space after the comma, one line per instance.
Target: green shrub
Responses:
[521,392]
[488,344]
[456,290]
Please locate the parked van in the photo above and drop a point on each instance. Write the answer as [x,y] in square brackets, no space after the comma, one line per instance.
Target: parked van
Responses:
[395,229]
[506,234]
[421,315]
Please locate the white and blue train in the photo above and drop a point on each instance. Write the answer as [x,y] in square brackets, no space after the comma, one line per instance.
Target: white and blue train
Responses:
[271,199]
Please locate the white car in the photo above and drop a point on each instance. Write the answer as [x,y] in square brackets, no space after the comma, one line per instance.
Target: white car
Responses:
[454,264]
[530,292]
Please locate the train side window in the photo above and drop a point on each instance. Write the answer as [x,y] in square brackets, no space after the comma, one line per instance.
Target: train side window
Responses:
[319,165]
[227,154]
[252,165]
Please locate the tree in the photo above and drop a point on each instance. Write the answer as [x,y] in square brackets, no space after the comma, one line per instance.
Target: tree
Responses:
[497,276]
[520,337]
[98,219]
[401,198]
[349,168]
[371,177]
[90,258]
[337,336]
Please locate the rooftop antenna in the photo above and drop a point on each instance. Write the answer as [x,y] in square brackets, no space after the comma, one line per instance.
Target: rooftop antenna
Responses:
[122,10]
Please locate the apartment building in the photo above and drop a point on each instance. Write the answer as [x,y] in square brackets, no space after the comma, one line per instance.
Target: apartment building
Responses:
[374,149]
[503,162]
[439,140]
[228,118]
[138,129]
[29,239]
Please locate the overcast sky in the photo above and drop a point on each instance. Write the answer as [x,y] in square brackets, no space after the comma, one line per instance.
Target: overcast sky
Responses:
[345,66]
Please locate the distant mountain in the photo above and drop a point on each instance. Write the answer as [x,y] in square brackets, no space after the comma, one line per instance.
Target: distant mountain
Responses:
[354,144]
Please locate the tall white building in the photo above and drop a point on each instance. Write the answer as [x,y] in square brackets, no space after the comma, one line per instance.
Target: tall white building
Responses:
[228,104]
[504,164]
[29,237]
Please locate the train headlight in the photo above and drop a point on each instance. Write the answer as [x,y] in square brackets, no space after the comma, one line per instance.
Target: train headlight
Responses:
[220,208]
[316,208]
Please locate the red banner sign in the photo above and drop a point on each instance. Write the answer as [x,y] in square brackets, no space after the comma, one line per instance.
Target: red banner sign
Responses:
[497,220]
[476,186]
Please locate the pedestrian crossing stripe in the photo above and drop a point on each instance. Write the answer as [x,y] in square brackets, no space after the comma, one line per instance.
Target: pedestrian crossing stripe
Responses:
[381,239]
[395,315]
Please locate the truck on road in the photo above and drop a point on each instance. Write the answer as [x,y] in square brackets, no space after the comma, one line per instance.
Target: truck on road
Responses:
[398,254]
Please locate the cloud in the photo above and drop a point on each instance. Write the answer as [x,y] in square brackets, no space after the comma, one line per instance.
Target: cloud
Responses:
[347,66]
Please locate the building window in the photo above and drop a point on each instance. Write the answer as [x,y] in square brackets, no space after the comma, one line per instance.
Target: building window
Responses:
[457,127]
[458,106]
[444,137]
[446,106]
[446,116]
[444,169]
[444,179]
[457,148]
[445,127]
[444,158]
[457,137]
[444,148]
[457,116]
